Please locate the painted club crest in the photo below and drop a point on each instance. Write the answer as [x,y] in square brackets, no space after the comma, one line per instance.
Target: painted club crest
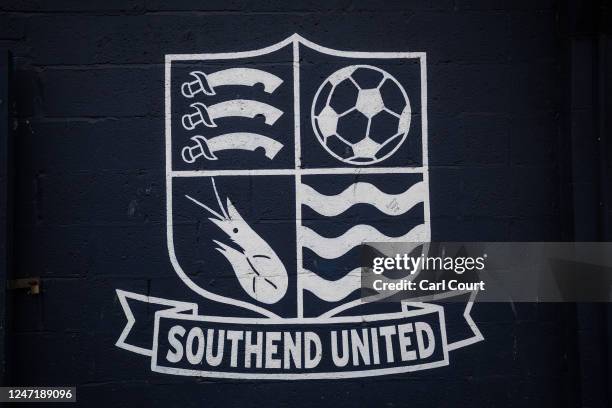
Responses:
[280,163]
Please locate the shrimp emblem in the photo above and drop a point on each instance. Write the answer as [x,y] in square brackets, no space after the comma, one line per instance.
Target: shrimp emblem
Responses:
[259,270]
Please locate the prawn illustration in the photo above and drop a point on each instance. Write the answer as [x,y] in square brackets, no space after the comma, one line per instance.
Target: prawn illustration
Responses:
[259,270]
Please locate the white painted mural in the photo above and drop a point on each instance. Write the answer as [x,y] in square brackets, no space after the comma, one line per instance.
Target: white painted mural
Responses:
[288,159]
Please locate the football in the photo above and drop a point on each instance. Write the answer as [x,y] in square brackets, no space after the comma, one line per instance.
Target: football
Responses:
[361,114]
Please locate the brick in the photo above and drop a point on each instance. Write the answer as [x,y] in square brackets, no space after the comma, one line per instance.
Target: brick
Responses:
[95,199]
[129,252]
[60,354]
[72,6]
[102,39]
[477,37]
[535,191]
[11,28]
[28,92]
[90,185]
[469,139]
[536,228]
[184,33]
[455,89]
[585,147]
[66,301]
[68,257]
[538,41]
[84,145]
[534,139]
[83,251]
[446,191]
[542,345]
[469,228]
[104,92]
[534,87]
[252,6]
[398,5]
[486,192]
[505,5]
[313,6]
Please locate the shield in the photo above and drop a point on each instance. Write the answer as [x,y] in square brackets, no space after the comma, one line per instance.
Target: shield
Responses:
[281,162]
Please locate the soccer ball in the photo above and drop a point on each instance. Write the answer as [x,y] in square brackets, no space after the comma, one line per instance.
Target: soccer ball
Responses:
[361,114]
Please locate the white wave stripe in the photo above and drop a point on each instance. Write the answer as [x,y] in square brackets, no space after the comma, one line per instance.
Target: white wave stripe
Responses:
[366,193]
[331,248]
[329,290]
[336,290]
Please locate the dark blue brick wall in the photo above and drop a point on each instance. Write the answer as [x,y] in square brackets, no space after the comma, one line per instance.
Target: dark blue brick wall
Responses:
[90,184]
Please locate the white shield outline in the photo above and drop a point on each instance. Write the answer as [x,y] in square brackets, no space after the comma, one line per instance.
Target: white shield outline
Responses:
[295,41]
[186,311]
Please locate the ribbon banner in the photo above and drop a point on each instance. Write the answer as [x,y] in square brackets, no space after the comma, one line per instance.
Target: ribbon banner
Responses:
[184,342]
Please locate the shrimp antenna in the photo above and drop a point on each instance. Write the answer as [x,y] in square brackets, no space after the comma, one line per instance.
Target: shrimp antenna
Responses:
[219,200]
[216,214]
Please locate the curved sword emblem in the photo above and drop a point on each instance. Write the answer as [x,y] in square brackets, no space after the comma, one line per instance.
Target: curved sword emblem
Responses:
[206,147]
[233,76]
[236,107]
